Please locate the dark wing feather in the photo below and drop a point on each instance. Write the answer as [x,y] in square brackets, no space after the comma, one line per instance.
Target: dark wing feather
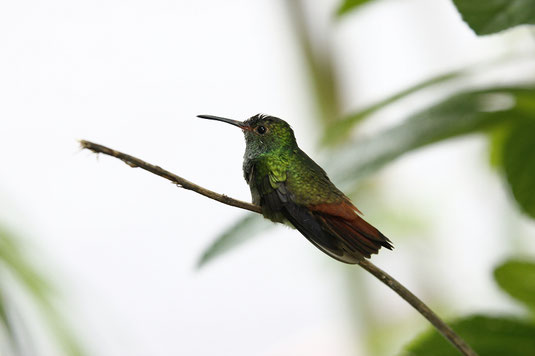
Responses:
[338,237]
[277,204]
[313,229]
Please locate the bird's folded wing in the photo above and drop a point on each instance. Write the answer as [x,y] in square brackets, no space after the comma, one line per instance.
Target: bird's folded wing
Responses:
[334,228]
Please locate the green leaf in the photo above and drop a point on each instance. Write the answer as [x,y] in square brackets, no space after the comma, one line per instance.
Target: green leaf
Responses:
[350,5]
[319,61]
[12,257]
[5,322]
[242,231]
[458,115]
[517,278]
[519,165]
[487,335]
[341,127]
[490,16]
[497,138]
[13,260]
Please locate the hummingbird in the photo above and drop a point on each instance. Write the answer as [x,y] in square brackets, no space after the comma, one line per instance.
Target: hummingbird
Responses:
[291,188]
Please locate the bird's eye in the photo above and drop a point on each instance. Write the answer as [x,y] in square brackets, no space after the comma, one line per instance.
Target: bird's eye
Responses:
[261,130]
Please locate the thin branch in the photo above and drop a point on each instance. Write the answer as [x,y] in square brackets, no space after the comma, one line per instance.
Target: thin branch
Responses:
[420,306]
[181,182]
[384,277]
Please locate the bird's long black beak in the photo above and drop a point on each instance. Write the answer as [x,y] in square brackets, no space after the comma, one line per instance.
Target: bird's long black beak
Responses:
[240,124]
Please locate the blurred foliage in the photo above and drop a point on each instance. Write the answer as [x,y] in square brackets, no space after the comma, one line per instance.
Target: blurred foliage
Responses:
[491,16]
[519,164]
[517,278]
[14,263]
[340,127]
[349,5]
[460,114]
[483,16]
[487,335]
[319,62]
[496,138]
[234,236]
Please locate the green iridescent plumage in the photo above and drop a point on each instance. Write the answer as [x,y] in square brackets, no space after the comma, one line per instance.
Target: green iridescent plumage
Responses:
[291,188]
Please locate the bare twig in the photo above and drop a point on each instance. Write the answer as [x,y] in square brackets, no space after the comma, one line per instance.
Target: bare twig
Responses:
[181,182]
[384,277]
[420,306]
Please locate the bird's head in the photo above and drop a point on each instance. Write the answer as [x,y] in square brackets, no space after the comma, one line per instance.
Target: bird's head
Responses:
[263,133]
